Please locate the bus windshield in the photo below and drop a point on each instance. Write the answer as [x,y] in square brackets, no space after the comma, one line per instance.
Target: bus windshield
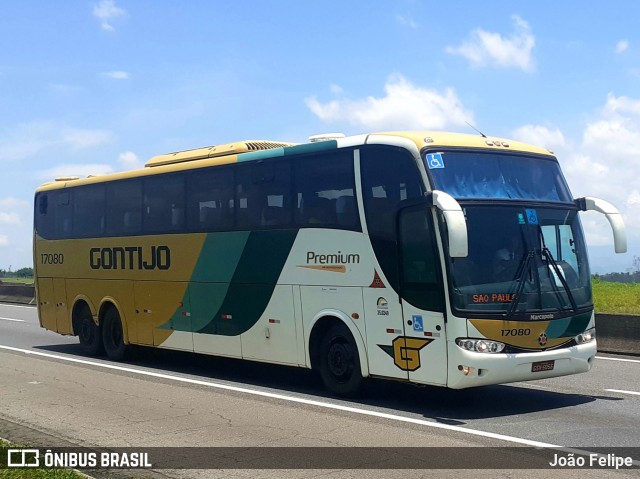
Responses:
[521,260]
[465,174]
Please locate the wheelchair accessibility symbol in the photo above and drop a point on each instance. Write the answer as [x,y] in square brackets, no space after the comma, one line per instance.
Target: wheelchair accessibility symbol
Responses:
[435,160]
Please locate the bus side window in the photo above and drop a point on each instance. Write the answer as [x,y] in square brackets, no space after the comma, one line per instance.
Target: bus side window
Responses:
[45,215]
[324,186]
[163,204]
[124,208]
[88,211]
[63,215]
[263,192]
[210,200]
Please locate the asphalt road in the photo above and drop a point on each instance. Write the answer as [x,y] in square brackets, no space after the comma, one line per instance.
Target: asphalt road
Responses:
[51,395]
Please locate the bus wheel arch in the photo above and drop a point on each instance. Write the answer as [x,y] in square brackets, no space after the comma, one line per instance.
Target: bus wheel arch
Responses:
[336,351]
[113,332]
[85,327]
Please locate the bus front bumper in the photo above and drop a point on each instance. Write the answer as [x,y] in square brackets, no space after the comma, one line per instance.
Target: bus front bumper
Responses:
[469,369]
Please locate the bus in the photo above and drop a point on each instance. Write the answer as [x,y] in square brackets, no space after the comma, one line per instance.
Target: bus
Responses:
[434,258]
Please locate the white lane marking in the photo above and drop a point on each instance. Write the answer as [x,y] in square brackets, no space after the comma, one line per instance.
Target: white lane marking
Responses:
[620,359]
[13,319]
[310,402]
[16,306]
[635,393]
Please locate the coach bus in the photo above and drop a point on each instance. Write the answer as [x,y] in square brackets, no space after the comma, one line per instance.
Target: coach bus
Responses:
[435,258]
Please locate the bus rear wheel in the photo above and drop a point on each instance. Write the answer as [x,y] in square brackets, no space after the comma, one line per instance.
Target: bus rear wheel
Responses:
[112,335]
[89,334]
[339,361]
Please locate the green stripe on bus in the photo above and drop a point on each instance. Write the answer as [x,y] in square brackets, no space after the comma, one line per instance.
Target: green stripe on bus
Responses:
[252,286]
[233,281]
[261,155]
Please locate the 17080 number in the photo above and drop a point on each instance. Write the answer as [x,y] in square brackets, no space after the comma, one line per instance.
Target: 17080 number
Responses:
[516,332]
[52,258]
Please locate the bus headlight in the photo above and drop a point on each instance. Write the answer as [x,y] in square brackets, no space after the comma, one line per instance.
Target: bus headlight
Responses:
[586,337]
[480,345]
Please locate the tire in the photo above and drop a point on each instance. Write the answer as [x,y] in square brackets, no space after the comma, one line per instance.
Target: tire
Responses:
[339,362]
[89,334]
[112,336]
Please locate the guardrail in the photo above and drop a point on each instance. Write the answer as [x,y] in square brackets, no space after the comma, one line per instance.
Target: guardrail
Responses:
[616,333]
[17,293]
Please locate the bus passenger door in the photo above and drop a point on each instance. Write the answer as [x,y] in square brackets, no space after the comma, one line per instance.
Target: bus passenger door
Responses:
[424,347]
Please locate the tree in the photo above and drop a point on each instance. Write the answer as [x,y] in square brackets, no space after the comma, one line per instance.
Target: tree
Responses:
[25,273]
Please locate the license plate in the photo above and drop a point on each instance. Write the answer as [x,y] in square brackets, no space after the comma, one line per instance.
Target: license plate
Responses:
[542,366]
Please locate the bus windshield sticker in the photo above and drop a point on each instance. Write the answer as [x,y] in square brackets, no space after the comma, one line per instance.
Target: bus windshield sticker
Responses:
[435,160]
[532,217]
[521,219]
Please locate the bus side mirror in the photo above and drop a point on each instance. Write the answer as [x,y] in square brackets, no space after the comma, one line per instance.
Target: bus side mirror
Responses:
[456,223]
[614,217]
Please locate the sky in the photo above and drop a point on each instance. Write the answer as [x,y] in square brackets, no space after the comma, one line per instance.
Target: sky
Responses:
[90,87]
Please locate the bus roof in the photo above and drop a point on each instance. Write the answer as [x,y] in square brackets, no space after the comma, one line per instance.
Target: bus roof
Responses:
[445,139]
[260,149]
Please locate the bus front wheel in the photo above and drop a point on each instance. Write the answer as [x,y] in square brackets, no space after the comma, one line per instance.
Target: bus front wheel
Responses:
[112,335]
[339,361]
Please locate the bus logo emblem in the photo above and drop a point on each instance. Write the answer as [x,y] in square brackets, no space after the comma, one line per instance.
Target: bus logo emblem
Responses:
[542,339]
[405,352]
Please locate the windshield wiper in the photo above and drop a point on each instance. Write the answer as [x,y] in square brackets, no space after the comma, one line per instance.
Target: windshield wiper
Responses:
[523,269]
[559,273]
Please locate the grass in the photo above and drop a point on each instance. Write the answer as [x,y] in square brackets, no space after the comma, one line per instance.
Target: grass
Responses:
[17,280]
[616,298]
[31,473]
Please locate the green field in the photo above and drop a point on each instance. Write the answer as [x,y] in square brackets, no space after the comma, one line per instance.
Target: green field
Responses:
[17,280]
[622,298]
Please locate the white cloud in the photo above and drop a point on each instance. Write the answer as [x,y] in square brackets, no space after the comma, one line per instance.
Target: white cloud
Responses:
[485,48]
[602,163]
[80,139]
[336,89]
[15,230]
[13,203]
[81,170]
[406,21]
[540,135]
[9,218]
[129,160]
[634,198]
[617,106]
[8,210]
[622,46]
[31,139]
[107,11]
[118,75]
[403,106]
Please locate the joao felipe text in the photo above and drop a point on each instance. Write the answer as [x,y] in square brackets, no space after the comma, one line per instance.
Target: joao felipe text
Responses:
[608,461]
